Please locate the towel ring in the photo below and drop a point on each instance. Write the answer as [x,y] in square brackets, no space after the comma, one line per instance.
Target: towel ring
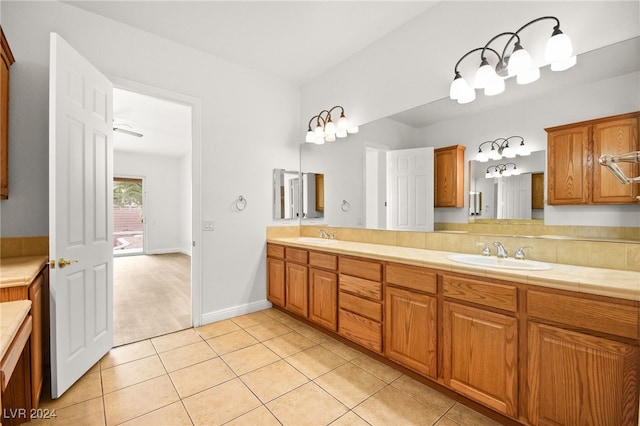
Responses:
[240,203]
[346,206]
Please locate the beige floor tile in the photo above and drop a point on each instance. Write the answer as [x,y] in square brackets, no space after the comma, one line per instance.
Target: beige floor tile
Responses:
[185,356]
[315,361]
[273,380]
[175,340]
[430,397]
[174,414]
[312,334]
[378,369]
[350,384]
[137,400]
[127,353]
[249,320]
[199,377]
[274,313]
[444,421]
[463,415]
[221,404]
[290,321]
[257,417]
[217,329]
[232,342]
[289,344]
[343,350]
[306,405]
[133,372]
[268,330]
[350,419]
[87,387]
[87,413]
[391,406]
[250,358]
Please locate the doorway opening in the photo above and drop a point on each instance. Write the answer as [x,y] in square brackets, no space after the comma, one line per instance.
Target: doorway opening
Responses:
[128,216]
[152,169]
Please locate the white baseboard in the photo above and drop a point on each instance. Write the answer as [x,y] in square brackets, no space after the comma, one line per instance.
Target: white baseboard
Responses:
[235,311]
[169,250]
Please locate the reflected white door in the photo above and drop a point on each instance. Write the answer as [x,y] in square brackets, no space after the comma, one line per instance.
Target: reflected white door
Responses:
[514,197]
[410,189]
[80,214]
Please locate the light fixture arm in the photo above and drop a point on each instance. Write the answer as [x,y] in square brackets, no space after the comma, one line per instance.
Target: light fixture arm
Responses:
[455,69]
[311,121]
[542,18]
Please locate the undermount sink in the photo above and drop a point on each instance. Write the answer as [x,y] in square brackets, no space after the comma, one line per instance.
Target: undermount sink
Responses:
[498,263]
[316,240]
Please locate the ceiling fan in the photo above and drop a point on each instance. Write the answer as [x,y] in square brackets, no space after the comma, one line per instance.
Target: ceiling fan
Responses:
[117,128]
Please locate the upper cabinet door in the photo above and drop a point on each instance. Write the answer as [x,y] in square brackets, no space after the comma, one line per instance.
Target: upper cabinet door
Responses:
[614,138]
[568,168]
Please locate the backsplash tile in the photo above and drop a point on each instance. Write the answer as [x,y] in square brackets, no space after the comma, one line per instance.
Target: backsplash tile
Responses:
[24,246]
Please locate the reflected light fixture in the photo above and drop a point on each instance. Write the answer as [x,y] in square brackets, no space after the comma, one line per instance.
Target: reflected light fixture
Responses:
[326,130]
[500,148]
[502,170]
[558,53]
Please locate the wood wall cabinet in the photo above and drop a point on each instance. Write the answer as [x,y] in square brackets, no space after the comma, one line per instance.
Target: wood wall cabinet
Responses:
[480,346]
[38,292]
[275,275]
[410,321]
[574,174]
[7,60]
[360,302]
[449,176]
[537,190]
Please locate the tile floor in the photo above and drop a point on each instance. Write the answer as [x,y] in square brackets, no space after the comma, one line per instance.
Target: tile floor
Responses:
[264,368]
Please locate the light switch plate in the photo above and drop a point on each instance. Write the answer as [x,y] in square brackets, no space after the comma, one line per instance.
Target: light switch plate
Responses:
[209,225]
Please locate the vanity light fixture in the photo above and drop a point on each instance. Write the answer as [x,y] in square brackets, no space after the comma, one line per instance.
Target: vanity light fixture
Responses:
[558,53]
[500,148]
[325,130]
[501,170]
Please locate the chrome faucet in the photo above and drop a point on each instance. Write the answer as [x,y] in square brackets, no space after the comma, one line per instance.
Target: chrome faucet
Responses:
[520,252]
[486,251]
[323,234]
[502,252]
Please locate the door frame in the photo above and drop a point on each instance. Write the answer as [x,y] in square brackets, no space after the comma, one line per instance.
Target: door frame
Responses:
[196,181]
[144,206]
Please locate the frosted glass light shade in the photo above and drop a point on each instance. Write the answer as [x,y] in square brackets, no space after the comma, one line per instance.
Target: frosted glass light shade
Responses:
[468,96]
[523,150]
[508,152]
[515,172]
[482,157]
[341,133]
[331,137]
[330,128]
[494,154]
[485,75]
[558,48]
[311,137]
[319,132]
[528,76]
[520,61]
[495,87]
[458,88]
[354,129]
[343,123]
[563,64]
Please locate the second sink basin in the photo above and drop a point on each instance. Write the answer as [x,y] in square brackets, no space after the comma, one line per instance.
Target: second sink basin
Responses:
[494,262]
[316,240]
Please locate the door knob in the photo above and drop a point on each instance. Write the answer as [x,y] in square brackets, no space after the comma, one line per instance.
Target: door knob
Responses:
[62,262]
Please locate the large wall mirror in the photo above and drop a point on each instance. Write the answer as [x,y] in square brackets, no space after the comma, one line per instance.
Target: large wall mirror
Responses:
[355,197]
[297,195]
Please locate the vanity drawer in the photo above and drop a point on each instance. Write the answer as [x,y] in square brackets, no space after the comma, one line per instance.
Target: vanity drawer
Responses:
[412,277]
[361,287]
[295,255]
[361,330]
[323,260]
[604,317]
[358,305]
[275,251]
[485,293]
[361,268]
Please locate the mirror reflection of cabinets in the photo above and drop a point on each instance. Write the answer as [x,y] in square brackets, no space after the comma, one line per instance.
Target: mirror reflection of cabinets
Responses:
[7,60]
[294,193]
[576,177]
[449,176]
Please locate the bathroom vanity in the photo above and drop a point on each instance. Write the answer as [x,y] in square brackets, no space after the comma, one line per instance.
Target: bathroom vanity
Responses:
[557,346]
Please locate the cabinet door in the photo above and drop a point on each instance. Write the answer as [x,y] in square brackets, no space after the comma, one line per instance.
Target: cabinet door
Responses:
[568,165]
[410,329]
[449,176]
[297,292]
[537,190]
[615,137]
[275,283]
[6,59]
[575,379]
[36,297]
[323,298]
[480,356]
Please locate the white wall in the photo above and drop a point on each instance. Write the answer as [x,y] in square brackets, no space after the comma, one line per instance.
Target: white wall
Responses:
[167,214]
[241,140]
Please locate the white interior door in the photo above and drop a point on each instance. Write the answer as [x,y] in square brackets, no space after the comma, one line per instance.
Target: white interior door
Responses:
[514,197]
[80,214]
[410,189]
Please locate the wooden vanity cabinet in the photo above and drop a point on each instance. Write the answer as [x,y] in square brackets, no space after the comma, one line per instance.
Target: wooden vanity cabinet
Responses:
[38,292]
[323,289]
[7,60]
[480,341]
[360,302]
[296,281]
[410,320]
[581,368]
[449,176]
[275,275]
[574,174]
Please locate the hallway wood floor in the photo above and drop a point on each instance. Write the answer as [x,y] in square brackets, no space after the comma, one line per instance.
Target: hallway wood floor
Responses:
[152,296]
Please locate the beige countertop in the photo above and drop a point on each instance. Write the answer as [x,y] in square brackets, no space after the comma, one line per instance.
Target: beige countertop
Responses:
[11,316]
[20,271]
[603,282]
